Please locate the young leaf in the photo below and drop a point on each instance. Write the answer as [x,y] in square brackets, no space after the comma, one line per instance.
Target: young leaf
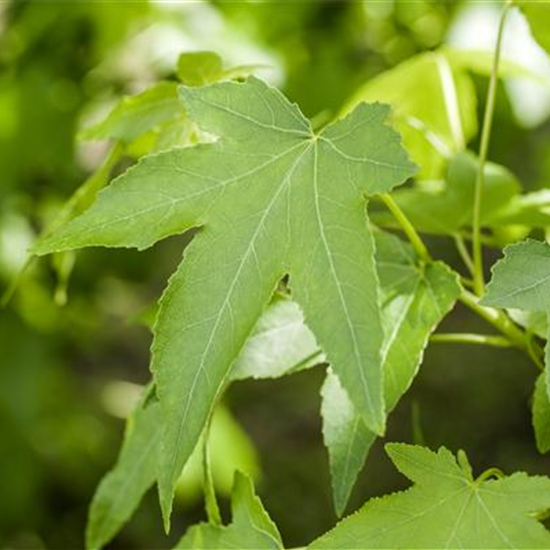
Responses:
[415,298]
[251,528]
[199,68]
[273,198]
[121,490]
[541,415]
[446,508]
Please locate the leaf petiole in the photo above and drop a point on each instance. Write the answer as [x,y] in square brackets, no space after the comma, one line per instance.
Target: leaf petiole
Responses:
[470,338]
[410,231]
[210,500]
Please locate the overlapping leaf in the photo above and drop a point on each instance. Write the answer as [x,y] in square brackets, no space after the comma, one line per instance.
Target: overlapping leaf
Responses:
[447,508]
[155,119]
[415,298]
[272,197]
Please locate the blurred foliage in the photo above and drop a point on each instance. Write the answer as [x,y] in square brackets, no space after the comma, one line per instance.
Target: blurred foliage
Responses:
[65,64]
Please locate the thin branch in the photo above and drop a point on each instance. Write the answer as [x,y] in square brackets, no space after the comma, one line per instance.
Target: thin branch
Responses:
[211,502]
[463,251]
[477,250]
[406,225]
[471,338]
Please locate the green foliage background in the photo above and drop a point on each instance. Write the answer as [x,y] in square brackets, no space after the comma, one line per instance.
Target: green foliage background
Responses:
[65,369]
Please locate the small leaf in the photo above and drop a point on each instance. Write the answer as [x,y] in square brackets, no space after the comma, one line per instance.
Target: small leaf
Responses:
[414,300]
[251,528]
[199,68]
[541,415]
[446,508]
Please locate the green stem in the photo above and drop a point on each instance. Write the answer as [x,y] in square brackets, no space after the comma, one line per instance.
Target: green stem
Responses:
[502,322]
[470,338]
[410,231]
[211,503]
[463,251]
[477,251]
[487,474]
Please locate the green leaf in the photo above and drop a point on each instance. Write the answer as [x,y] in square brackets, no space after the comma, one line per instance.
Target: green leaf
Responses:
[272,198]
[538,16]
[347,438]
[446,211]
[199,68]
[138,114]
[531,210]
[541,415]
[251,528]
[447,508]
[521,279]
[121,490]
[535,322]
[415,298]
